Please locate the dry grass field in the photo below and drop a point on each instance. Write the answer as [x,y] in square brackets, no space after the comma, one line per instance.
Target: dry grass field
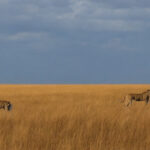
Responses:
[73,117]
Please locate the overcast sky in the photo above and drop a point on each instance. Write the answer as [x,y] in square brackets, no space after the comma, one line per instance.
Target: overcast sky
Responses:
[74,41]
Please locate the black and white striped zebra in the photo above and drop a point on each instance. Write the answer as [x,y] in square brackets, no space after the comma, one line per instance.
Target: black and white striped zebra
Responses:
[6,105]
[145,96]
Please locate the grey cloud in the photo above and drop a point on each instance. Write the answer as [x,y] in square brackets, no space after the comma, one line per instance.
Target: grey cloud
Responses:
[125,3]
[102,17]
[117,44]
[74,14]
[23,36]
[58,24]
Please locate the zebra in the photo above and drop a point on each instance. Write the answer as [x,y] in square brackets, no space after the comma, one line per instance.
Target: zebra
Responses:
[145,96]
[6,105]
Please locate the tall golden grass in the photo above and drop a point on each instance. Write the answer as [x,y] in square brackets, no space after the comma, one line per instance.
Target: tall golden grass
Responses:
[73,117]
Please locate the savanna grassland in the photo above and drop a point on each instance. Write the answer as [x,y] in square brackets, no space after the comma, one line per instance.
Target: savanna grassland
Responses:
[73,117]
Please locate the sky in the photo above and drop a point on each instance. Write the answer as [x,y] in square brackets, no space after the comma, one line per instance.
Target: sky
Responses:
[74,41]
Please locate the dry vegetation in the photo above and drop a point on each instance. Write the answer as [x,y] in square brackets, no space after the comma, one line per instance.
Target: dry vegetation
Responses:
[73,117]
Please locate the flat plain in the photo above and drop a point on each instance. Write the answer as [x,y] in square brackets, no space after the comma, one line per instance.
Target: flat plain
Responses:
[73,117]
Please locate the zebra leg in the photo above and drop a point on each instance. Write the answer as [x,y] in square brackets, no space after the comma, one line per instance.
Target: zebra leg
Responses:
[128,101]
[131,102]
[5,107]
[147,100]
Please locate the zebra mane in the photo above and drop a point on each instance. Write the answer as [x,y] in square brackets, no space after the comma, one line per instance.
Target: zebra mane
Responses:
[4,101]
